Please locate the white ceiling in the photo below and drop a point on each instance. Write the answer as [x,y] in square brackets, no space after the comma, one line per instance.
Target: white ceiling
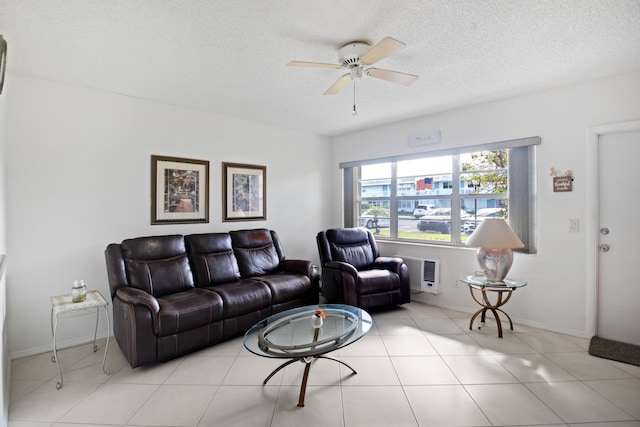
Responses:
[230,56]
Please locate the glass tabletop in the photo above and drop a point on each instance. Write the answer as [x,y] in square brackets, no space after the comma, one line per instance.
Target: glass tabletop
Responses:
[290,334]
[482,282]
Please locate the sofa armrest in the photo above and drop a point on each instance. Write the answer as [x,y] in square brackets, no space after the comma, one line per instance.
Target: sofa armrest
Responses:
[342,267]
[342,281]
[135,296]
[298,266]
[388,263]
[307,269]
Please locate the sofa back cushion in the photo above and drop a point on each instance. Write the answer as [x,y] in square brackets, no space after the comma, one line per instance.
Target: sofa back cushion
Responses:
[157,265]
[212,258]
[255,252]
[351,245]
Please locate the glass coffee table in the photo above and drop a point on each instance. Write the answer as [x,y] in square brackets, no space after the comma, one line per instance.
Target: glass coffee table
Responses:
[299,335]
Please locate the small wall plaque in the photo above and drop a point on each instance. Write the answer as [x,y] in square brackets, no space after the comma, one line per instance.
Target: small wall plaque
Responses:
[562,183]
[424,138]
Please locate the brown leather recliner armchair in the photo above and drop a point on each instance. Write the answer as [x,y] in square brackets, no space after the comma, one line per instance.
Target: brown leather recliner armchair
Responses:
[354,273]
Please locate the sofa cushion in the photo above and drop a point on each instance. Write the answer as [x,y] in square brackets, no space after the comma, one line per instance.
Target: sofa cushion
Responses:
[255,252]
[351,245]
[188,310]
[212,258]
[287,286]
[377,281]
[243,296]
[158,265]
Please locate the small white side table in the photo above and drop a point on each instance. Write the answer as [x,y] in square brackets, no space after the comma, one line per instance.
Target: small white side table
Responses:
[62,306]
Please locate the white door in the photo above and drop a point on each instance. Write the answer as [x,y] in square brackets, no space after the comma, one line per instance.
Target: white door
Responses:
[618,295]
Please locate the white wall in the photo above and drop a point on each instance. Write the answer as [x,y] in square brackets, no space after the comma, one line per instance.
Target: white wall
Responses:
[556,297]
[78,178]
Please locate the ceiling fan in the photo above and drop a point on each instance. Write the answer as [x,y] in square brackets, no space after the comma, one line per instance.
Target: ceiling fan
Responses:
[357,57]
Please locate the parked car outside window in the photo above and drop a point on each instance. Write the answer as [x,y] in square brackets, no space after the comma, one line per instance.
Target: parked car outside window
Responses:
[470,224]
[421,210]
[368,219]
[439,220]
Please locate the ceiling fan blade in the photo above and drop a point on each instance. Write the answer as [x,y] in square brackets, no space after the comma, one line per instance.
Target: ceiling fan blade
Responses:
[385,47]
[313,64]
[392,76]
[338,85]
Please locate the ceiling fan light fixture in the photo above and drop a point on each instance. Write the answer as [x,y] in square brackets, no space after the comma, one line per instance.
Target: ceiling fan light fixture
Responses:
[356,72]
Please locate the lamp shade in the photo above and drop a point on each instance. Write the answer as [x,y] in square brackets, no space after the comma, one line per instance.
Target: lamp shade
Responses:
[494,233]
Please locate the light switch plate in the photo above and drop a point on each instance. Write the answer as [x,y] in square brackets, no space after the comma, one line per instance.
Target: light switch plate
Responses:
[574,225]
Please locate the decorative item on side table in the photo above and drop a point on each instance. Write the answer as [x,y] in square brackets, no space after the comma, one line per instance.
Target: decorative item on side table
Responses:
[495,239]
[78,291]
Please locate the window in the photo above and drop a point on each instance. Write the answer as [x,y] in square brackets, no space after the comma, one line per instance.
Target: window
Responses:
[441,197]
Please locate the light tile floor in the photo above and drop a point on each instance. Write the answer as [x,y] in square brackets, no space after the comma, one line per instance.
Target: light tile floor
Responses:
[419,366]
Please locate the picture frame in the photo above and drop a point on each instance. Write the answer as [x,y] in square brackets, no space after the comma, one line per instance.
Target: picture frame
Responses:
[244,192]
[179,190]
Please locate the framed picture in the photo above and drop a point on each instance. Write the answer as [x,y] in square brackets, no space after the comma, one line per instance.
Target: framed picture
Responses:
[244,194]
[179,190]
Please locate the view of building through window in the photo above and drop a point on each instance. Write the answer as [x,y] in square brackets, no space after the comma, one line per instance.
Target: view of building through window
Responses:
[440,199]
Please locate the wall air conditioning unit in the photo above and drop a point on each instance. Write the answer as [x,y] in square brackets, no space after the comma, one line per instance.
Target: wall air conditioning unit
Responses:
[424,274]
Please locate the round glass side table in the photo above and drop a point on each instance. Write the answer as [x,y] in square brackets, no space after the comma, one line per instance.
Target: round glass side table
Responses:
[481,288]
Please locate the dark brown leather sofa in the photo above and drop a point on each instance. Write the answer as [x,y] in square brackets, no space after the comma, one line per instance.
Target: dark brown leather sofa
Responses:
[354,273]
[176,294]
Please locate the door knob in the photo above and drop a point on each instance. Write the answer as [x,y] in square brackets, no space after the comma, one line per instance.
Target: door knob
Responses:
[604,248]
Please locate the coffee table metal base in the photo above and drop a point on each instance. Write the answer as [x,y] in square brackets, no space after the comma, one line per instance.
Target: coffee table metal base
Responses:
[307,361]
[305,334]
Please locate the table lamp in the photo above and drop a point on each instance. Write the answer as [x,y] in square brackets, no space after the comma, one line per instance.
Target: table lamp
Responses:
[495,239]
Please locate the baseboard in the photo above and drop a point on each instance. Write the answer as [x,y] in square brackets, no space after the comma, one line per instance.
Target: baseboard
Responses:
[429,299]
[60,345]
[615,350]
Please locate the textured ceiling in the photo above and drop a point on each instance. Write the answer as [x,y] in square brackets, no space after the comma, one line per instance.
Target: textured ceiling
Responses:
[230,56]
